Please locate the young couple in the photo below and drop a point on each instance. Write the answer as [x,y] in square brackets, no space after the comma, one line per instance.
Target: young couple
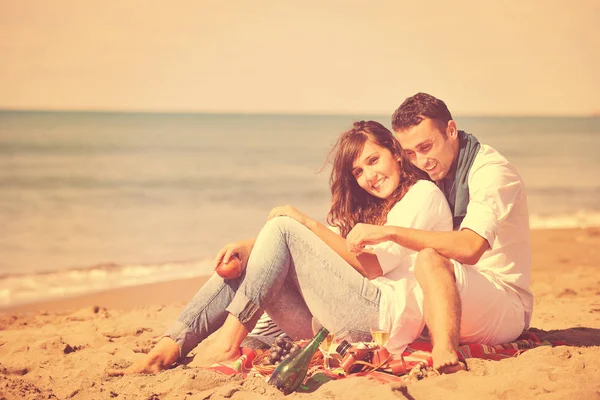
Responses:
[403,252]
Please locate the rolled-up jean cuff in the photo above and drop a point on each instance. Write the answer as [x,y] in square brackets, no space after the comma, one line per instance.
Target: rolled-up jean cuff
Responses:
[185,338]
[244,310]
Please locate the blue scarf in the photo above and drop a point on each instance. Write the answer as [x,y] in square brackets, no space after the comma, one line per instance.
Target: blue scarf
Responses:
[456,187]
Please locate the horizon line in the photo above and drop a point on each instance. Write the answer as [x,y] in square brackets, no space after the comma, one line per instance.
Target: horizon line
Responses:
[278,113]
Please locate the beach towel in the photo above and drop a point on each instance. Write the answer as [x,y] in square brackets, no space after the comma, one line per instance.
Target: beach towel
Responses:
[264,334]
[416,356]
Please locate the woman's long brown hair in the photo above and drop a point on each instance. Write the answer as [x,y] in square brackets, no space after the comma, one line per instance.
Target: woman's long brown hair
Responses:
[351,204]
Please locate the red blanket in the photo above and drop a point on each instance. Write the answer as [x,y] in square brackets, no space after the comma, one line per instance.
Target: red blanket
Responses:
[416,355]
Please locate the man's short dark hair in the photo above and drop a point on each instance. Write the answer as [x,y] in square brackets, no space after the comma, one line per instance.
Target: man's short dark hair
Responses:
[413,110]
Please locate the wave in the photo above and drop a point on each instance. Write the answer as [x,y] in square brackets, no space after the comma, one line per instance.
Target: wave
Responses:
[17,289]
[580,219]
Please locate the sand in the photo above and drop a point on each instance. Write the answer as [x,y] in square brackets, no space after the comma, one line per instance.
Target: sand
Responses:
[61,349]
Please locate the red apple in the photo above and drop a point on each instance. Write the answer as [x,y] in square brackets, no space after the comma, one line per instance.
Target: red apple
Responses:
[230,270]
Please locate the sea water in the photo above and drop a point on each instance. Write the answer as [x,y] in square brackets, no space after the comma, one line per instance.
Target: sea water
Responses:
[93,201]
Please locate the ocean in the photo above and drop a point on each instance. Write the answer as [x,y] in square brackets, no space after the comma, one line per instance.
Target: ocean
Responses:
[94,201]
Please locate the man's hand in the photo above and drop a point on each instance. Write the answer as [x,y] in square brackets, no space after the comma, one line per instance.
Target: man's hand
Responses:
[364,234]
[291,212]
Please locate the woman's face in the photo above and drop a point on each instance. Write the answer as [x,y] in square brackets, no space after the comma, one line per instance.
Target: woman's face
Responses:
[376,170]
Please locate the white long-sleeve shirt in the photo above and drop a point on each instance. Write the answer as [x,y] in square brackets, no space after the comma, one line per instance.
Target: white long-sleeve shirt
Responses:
[497,211]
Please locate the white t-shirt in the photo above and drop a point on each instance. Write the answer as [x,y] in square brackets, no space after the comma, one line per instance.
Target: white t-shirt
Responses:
[497,211]
[401,306]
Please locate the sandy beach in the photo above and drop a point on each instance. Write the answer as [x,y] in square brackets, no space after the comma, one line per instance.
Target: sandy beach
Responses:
[61,349]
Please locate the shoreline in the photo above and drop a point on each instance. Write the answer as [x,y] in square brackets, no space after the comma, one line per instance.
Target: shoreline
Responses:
[180,291]
[124,298]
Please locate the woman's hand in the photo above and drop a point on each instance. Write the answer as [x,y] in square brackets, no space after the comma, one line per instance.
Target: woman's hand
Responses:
[240,249]
[291,212]
[364,234]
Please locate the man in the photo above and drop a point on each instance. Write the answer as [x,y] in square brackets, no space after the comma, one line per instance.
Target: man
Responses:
[475,279]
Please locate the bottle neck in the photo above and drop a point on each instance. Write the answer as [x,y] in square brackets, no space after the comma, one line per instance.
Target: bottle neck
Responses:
[320,336]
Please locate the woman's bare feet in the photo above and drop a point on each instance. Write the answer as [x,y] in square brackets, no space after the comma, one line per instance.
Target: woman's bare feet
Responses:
[217,349]
[161,357]
[224,344]
[166,352]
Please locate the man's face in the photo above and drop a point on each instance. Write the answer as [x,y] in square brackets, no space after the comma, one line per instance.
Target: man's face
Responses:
[430,148]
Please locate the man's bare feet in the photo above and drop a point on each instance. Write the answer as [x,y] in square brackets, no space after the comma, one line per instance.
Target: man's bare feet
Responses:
[445,361]
[161,357]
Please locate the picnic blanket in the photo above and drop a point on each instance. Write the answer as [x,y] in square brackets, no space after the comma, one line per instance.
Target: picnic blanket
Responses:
[416,356]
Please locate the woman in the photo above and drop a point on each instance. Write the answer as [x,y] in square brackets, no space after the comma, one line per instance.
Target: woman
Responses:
[297,268]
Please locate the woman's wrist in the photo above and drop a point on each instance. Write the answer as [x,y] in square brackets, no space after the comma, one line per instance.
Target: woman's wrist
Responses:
[396,235]
[390,233]
[310,223]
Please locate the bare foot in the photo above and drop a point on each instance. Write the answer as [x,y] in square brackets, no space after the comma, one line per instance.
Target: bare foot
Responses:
[161,357]
[215,350]
[445,361]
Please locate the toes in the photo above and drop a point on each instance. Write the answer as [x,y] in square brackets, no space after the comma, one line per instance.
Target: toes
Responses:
[452,368]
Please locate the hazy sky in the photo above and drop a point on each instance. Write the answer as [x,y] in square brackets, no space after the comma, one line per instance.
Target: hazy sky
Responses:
[482,57]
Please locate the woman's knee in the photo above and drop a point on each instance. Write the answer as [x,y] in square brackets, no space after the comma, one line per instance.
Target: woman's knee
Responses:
[430,263]
[282,224]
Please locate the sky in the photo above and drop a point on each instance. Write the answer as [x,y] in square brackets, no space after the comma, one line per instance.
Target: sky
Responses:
[515,57]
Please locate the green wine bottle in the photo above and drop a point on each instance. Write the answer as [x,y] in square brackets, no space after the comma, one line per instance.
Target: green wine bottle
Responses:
[288,375]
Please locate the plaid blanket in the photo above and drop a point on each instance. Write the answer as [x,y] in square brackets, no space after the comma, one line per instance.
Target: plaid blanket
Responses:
[416,356]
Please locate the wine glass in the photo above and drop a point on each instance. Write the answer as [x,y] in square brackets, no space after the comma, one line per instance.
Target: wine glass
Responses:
[380,336]
[326,344]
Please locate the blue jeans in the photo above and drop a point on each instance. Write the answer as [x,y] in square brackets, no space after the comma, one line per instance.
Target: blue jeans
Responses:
[292,275]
